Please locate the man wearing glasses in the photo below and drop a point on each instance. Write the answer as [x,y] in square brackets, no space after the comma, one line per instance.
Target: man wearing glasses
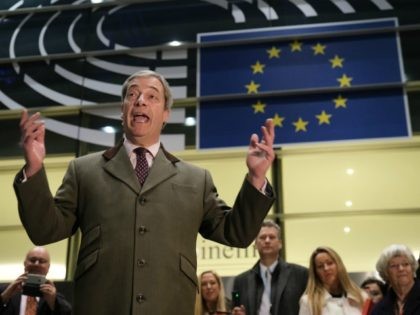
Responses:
[25,296]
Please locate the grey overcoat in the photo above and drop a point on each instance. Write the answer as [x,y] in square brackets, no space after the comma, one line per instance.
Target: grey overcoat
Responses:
[138,248]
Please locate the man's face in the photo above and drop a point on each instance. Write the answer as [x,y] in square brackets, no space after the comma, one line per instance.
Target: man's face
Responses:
[37,261]
[143,111]
[268,242]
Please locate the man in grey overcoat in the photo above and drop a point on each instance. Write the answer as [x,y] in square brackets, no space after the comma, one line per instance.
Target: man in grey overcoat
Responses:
[138,249]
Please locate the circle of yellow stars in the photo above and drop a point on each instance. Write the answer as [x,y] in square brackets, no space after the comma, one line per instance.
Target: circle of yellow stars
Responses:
[301,125]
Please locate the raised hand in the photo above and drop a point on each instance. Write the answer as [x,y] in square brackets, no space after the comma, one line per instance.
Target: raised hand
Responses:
[33,141]
[260,154]
[13,288]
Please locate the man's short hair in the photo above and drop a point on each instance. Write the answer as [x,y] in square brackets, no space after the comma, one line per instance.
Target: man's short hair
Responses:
[270,223]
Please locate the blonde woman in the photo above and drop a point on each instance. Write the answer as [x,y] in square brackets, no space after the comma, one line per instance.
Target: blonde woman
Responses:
[330,291]
[212,299]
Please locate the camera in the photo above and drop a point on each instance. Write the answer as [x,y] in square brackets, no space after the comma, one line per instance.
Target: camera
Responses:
[236,299]
[32,284]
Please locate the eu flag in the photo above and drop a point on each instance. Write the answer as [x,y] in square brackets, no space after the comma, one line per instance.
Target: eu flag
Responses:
[317,62]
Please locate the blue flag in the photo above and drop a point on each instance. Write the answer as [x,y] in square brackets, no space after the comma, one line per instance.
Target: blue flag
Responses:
[318,63]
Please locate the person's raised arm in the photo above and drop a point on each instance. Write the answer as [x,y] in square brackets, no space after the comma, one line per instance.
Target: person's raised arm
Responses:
[33,142]
[260,155]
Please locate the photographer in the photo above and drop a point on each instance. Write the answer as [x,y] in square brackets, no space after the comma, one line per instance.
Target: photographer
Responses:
[33,293]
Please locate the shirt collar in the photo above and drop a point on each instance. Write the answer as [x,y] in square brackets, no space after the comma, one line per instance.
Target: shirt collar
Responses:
[129,147]
[269,268]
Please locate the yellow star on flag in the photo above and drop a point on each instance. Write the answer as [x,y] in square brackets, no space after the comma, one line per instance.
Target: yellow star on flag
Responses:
[337,62]
[296,46]
[340,101]
[300,125]
[323,118]
[345,81]
[257,67]
[259,107]
[252,87]
[273,52]
[319,49]
[278,120]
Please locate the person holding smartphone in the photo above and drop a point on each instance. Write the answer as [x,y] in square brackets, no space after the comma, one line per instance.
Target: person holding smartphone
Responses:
[32,289]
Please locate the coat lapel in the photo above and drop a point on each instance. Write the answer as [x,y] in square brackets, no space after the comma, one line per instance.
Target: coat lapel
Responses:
[161,170]
[283,275]
[119,166]
[255,289]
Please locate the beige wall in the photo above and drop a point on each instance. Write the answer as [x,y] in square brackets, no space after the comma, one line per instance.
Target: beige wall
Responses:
[383,189]
[14,242]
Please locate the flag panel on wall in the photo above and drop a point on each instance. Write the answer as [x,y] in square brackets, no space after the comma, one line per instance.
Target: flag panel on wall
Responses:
[301,64]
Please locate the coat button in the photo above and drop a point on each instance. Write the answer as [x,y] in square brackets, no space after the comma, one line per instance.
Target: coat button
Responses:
[141,262]
[142,200]
[142,229]
[140,298]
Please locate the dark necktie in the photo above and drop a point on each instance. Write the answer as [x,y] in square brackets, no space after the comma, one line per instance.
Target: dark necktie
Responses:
[31,305]
[142,168]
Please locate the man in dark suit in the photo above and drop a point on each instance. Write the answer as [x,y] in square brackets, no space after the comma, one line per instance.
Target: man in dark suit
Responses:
[12,300]
[138,249]
[287,282]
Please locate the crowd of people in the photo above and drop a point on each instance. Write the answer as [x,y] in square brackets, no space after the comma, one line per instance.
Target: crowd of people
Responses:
[325,288]
[139,209]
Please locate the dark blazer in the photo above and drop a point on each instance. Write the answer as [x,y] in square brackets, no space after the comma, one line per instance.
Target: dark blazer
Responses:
[411,307]
[287,286]
[12,307]
[138,249]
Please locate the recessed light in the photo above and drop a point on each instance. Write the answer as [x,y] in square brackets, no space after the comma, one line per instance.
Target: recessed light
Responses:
[190,121]
[174,43]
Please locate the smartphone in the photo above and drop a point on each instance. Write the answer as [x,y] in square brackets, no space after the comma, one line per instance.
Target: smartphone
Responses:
[32,284]
[236,299]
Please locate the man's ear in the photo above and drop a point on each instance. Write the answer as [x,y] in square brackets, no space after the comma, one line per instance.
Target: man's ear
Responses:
[280,244]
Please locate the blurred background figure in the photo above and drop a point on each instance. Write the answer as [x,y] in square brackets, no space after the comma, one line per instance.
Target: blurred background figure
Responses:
[272,286]
[397,266]
[330,291]
[44,300]
[212,298]
[375,288]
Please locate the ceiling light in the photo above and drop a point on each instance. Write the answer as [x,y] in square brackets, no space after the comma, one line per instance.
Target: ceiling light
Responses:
[109,129]
[174,43]
[190,121]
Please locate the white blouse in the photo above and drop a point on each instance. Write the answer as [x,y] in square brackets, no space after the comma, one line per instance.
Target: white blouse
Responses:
[332,305]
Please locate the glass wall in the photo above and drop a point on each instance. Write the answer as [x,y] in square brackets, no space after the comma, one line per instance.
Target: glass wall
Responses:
[69,59]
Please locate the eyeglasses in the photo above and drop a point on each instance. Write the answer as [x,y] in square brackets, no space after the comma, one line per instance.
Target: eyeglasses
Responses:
[33,260]
[397,266]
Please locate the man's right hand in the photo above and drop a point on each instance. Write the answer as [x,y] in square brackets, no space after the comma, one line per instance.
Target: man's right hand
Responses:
[13,288]
[33,141]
